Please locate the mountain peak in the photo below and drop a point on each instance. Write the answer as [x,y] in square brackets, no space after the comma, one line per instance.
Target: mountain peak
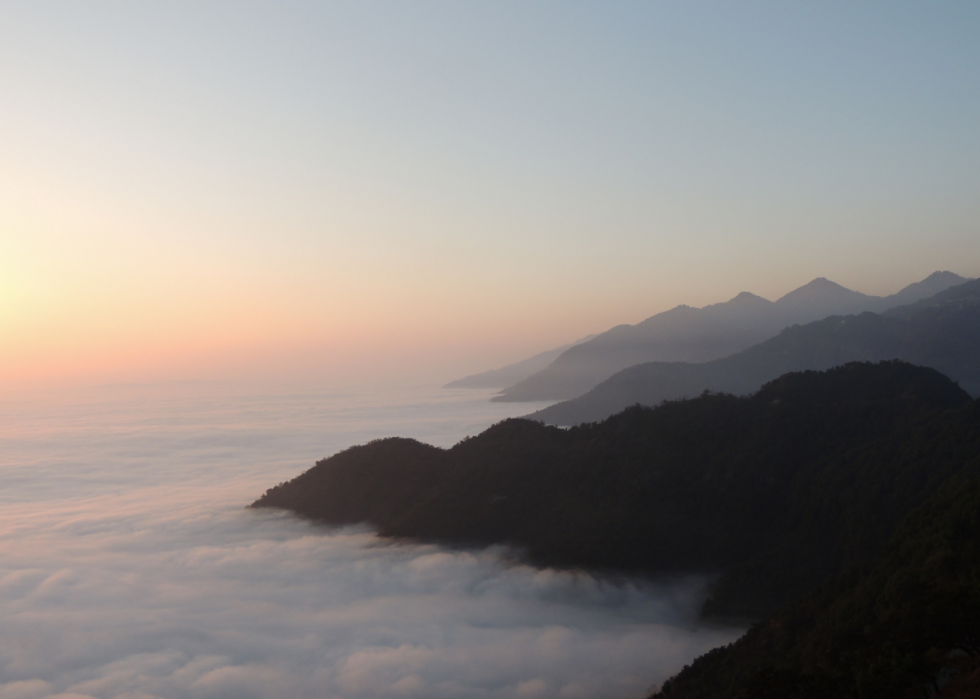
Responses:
[820,289]
[939,280]
[744,302]
[933,284]
[819,284]
[745,297]
[943,274]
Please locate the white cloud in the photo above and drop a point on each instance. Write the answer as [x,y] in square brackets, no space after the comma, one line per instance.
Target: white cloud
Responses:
[163,587]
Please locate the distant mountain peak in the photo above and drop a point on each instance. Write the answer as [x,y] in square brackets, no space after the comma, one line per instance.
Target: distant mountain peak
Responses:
[819,288]
[747,296]
[941,279]
[935,283]
[819,284]
[694,335]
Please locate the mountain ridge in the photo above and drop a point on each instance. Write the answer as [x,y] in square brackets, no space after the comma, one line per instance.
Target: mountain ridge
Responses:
[697,335]
[716,483]
[942,332]
[905,624]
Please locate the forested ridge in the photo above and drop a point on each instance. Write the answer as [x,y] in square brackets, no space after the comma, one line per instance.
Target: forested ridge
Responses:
[774,492]
[905,625]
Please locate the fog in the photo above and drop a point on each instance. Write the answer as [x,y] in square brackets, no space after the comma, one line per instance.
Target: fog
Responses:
[130,568]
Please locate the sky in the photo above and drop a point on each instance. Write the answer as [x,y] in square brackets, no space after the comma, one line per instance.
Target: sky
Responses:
[381,191]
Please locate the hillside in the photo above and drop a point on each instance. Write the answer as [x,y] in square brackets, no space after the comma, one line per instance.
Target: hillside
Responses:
[942,332]
[694,335]
[774,492]
[905,625]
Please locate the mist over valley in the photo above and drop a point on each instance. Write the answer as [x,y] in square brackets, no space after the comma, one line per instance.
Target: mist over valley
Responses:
[813,500]
[131,568]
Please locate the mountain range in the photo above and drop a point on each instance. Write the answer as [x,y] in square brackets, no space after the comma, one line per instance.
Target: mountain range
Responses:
[828,489]
[942,332]
[746,486]
[838,509]
[686,334]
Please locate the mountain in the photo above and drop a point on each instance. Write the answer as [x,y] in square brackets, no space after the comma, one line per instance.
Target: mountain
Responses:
[930,286]
[685,334]
[821,298]
[512,373]
[773,493]
[905,625]
[699,334]
[942,332]
[952,298]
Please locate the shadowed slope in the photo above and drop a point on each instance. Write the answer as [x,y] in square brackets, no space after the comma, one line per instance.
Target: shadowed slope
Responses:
[901,626]
[715,484]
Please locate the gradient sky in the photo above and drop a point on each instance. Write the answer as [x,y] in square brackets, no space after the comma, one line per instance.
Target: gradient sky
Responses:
[344,191]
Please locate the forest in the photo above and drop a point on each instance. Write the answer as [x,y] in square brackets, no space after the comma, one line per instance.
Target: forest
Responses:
[906,624]
[771,494]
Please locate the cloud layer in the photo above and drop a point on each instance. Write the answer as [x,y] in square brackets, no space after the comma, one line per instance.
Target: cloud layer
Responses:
[135,578]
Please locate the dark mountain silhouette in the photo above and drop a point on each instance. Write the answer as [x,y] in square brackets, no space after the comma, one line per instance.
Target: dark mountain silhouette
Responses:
[906,625]
[512,373]
[774,492]
[685,334]
[942,332]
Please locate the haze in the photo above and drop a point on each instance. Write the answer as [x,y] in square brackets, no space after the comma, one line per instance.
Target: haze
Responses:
[353,192]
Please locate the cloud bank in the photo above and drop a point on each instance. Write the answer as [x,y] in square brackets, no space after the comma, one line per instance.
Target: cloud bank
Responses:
[155,583]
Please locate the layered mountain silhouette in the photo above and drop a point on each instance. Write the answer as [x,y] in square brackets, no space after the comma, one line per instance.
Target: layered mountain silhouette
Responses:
[512,373]
[686,334]
[775,492]
[942,332]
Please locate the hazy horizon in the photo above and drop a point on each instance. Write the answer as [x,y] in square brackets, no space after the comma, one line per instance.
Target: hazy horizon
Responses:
[345,194]
[416,373]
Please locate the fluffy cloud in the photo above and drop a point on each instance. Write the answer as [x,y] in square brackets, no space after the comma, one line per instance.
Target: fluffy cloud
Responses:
[138,575]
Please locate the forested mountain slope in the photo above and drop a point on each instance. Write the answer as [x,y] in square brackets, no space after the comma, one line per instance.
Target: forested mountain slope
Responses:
[774,492]
[905,625]
[942,333]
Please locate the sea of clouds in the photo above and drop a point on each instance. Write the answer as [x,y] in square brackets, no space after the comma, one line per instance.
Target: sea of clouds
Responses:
[129,567]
